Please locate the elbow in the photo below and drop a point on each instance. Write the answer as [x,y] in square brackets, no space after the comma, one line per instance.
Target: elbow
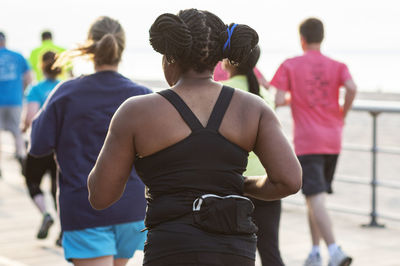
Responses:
[97,204]
[294,183]
[95,200]
[101,196]
[353,89]
[350,87]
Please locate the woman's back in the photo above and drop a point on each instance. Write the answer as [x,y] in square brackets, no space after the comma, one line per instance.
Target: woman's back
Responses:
[239,124]
[81,109]
[203,162]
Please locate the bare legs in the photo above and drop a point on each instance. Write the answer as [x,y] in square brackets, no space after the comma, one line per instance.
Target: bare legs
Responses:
[319,220]
[19,145]
[100,261]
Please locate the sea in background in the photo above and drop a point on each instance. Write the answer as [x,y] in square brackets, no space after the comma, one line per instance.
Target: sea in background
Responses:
[373,71]
[361,33]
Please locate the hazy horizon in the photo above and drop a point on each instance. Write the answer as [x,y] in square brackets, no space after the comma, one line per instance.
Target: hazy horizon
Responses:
[360,33]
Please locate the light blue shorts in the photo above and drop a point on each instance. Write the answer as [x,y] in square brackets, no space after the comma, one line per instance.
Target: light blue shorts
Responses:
[120,241]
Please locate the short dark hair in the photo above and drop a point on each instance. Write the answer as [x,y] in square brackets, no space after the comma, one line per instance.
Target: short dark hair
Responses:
[46,35]
[48,60]
[195,39]
[312,30]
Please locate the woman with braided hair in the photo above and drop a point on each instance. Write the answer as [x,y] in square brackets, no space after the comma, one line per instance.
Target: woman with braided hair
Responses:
[190,148]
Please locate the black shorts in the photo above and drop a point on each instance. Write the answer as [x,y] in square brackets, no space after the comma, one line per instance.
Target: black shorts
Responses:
[318,171]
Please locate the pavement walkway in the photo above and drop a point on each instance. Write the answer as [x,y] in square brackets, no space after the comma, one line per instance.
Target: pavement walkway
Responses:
[19,219]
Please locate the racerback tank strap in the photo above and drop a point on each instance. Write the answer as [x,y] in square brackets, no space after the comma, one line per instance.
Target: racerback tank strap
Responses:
[220,107]
[185,112]
[190,118]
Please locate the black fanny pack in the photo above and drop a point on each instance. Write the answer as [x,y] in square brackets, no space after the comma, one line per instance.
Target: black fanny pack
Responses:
[224,215]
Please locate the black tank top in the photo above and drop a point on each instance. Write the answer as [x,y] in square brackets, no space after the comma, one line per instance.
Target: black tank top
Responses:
[204,162]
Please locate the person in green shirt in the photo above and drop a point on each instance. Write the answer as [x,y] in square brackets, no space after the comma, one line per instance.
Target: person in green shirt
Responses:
[37,53]
[266,213]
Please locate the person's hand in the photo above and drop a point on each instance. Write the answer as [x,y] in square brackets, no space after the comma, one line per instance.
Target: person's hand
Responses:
[24,127]
[342,113]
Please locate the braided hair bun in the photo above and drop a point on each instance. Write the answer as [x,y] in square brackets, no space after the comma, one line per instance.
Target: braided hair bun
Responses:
[195,39]
[170,36]
[242,42]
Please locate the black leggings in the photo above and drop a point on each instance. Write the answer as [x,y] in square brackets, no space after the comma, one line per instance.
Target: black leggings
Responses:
[202,259]
[34,172]
[267,215]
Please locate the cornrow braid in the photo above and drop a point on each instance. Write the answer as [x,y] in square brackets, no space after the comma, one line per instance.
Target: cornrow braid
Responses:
[195,39]
[170,36]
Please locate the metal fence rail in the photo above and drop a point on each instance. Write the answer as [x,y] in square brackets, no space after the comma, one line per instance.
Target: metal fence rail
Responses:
[375,108]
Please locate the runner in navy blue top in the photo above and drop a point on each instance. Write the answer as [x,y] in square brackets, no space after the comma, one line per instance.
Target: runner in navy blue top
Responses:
[190,148]
[74,124]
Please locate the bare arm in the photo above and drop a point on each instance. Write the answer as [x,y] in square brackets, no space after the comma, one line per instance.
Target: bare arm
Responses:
[278,158]
[30,111]
[351,90]
[28,78]
[260,78]
[263,82]
[281,98]
[106,181]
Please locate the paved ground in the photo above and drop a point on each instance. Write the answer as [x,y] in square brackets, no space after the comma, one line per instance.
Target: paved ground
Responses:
[19,219]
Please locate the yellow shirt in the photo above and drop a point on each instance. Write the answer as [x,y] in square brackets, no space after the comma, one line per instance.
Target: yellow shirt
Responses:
[35,58]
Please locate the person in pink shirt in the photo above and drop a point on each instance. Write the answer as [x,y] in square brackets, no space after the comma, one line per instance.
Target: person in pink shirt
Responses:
[310,83]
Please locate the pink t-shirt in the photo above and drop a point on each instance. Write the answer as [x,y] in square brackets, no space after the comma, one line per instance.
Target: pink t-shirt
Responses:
[313,81]
[219,73]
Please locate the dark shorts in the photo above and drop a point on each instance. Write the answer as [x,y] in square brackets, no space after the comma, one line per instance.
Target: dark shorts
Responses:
[318,171]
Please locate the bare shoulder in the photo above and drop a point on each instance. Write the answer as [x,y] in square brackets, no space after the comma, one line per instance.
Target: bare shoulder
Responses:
[142,104]
[139,108]
[248,102]
[140,101]
[243,118]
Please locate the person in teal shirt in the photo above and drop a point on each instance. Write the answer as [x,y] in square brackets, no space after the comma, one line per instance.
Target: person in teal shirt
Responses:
[38,93]
[36,167]
[266,213]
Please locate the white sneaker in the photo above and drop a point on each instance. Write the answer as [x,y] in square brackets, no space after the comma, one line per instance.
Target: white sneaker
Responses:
[313,260]
[339,258]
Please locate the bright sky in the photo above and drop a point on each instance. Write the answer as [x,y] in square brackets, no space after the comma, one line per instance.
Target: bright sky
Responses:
[353,27]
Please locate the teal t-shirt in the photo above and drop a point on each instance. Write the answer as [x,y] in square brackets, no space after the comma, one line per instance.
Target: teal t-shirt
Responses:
[254,166]
[40,91]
